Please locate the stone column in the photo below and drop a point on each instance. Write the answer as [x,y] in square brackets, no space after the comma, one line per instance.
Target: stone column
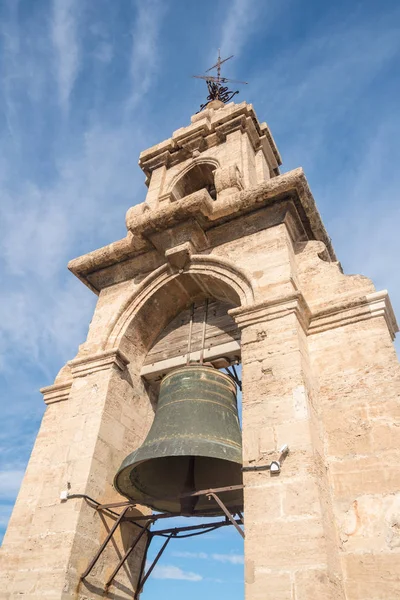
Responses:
[91,423]
[290,546]
[359,389]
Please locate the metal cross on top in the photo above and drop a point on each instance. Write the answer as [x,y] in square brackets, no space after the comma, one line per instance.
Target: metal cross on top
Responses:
[216,88]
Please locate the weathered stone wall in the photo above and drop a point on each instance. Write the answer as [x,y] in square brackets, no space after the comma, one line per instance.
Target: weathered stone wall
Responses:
[94,414]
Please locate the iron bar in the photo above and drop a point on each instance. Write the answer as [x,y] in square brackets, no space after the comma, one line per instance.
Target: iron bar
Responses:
[216,89]
[114,505]
[256,468]
[234,376]
[169,533]
[152,517]
[203,336]
[190,335]
[238,380]
[155,561]
[226,511]
[98,505]
[189,535]
[219,63]
[143,564]
[227,488]
[215,525]
[128,553]
[104,544]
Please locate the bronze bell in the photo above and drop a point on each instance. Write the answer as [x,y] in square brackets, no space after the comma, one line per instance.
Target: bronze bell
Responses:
[194,444]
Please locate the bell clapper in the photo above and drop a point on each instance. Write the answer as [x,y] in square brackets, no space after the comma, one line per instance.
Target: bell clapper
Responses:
[188,503]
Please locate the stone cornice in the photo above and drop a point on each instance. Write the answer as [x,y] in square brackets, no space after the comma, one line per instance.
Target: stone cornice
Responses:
[376,304]
[207,128]
[143,222]
[57,392]
[267,311]
[80,367]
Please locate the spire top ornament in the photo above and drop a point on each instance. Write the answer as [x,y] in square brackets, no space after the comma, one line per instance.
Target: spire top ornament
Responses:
[216,88]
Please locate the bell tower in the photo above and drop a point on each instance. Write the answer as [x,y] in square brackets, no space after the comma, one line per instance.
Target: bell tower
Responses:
[226,261]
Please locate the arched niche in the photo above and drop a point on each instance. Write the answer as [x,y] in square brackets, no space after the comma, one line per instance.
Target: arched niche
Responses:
[199,176]
[161,297]
[166,302]
[163,294]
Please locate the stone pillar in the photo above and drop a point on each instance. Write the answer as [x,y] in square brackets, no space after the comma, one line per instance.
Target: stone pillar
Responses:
[90,422]
[290,546]
[359,390]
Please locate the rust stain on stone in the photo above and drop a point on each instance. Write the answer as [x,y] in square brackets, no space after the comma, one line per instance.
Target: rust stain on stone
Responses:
[358,519]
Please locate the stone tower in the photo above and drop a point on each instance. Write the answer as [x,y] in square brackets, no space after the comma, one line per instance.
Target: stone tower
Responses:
[320,374]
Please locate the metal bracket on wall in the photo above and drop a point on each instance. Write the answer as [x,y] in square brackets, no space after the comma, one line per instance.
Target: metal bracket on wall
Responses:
[274,467]
[168,533]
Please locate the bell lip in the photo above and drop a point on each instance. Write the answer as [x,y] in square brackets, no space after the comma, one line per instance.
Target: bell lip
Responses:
[147,501]
[124,466]
[197,366]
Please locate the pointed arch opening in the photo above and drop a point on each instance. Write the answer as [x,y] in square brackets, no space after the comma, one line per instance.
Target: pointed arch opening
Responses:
[199,176]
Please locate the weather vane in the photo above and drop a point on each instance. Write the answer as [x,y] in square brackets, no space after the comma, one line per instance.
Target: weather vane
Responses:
[216,88]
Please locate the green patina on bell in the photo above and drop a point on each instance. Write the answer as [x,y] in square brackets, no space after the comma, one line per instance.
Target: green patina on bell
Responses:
[194,444]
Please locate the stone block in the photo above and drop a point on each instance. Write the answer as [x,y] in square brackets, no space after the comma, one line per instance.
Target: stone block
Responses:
[296,434]
[270,585]
[301,498]
[365,475]
[287,544]
[24,583]
[370,576]
[267,439]
[263,503]
[385,437]
[251,446]
[314,583]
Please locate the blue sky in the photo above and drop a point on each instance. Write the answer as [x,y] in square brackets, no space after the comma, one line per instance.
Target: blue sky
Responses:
[87,84]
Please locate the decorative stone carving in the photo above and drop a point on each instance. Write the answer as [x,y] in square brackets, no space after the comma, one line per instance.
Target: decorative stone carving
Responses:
[228,180]
[57,392]
[100,361]
[179,256]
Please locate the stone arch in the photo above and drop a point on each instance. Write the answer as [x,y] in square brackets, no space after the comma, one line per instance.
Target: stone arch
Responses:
[163,294]
[197,175]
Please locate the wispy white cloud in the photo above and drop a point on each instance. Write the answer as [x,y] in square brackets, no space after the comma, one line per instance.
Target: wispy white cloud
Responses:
[145,50]
[233,559]
[324,105]
[307,92]
[66,44]
[45,308]
[174,572]
[244,18]
[201,555]
[365,228]
[238,25]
